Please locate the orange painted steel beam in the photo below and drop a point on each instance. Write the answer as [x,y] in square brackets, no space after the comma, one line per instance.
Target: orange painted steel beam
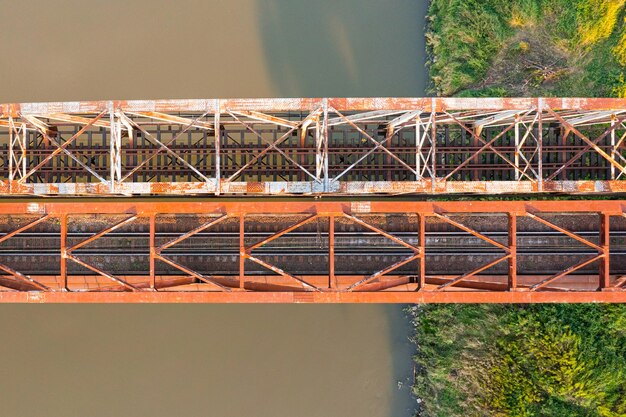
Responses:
[318,297]
[300,206]
[267,283]
[281,285]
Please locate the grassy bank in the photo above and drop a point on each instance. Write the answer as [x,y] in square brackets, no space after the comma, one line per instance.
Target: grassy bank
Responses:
[527,47]
[535,360]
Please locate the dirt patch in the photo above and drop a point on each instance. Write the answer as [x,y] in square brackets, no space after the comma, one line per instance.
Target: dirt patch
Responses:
[530,60]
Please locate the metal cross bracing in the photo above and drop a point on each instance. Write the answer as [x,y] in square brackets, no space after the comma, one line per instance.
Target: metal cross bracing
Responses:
[337,146]
[312,251]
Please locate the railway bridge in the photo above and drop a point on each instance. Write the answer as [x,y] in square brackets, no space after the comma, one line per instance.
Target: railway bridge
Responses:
[314,200]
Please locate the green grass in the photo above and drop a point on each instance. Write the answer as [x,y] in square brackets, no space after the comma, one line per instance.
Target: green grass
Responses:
[533,360]
[569,47]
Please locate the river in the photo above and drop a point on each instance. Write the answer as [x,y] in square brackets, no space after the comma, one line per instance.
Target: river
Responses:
[198,360]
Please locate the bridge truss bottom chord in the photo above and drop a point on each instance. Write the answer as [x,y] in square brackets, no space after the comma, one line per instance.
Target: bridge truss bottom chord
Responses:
[312,251]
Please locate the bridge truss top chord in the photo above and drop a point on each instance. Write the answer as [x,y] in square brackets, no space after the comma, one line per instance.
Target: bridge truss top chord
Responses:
[339,146]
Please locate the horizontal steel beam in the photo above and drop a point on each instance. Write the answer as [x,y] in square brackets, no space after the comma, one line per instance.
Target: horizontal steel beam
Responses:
[319,297]
[382,206]
[297,188]
[307,104]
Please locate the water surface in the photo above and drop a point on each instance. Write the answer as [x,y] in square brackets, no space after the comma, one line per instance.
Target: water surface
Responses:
[197,360]
[54,50]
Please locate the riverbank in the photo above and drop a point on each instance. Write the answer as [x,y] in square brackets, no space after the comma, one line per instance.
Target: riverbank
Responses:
[512,360]
[509,360]
[527,47]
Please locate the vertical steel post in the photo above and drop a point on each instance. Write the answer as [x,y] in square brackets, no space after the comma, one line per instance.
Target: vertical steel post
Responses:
[321,147]
[24,143]
[517,147]
[421,218]
[302,152]
[540,144]
[242,251]
[152,251]
[11,151]
[318,150]
[613,122]
[512,252]
[218,138]
[433,143]
[112,134]
[63,260]
[386,162]
[115,148]
[605,270]
[418,149]
[325,152]
[332,280]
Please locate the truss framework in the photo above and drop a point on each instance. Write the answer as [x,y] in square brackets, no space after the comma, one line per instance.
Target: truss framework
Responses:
[343,146]
[387,284]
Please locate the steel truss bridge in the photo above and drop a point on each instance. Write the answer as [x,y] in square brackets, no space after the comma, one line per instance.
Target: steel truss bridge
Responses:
[350,228]
[314,146]
[311,251]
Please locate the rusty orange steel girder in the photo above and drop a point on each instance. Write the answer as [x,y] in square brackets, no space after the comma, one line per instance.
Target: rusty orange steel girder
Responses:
[589,263]
[309,146]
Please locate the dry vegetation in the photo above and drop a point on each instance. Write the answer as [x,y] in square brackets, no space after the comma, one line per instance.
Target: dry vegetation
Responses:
[528,47]
[511,360]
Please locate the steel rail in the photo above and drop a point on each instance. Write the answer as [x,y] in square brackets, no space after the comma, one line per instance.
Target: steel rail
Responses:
[375,251]
[547,233]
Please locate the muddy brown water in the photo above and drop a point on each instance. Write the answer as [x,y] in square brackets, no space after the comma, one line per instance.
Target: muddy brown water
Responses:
[197,360]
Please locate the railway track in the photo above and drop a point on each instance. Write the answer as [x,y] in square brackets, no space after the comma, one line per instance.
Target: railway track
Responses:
[376,167]
[310,246]
[305,250]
